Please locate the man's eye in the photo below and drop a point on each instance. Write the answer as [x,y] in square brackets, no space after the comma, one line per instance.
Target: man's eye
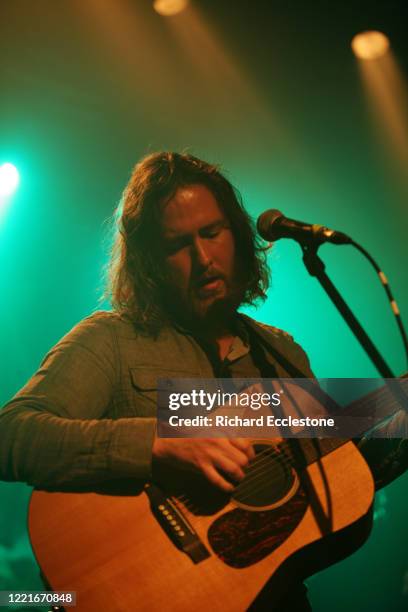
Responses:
[212,233]
[173,247]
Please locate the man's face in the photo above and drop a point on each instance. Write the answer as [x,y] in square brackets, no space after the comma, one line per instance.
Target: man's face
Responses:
[199,255]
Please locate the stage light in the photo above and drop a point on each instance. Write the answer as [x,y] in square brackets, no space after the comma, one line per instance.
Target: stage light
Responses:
[9,179]
[370,45]
[168,8]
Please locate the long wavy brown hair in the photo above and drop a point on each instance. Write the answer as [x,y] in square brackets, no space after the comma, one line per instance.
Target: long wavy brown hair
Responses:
[136,281]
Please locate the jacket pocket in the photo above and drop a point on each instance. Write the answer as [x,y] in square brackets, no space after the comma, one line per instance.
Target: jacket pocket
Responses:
[145,378]
[144,383]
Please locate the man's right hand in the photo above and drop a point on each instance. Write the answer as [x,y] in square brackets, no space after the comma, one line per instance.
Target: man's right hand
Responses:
[216,458]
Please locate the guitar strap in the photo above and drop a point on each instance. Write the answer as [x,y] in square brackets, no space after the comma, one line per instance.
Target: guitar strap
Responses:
[260,348]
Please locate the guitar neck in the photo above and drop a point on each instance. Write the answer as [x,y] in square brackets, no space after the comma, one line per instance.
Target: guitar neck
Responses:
[385,401]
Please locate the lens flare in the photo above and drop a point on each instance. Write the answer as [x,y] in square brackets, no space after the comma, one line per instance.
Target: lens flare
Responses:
[168,8]
[370,45]
[9,179]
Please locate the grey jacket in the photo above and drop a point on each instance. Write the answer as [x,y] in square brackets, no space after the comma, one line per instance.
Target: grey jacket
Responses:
[74,423]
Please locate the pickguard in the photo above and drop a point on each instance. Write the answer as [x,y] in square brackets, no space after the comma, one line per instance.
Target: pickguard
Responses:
[242,537]
[269,502]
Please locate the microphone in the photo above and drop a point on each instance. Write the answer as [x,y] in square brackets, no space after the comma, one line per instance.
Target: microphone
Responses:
[273,225]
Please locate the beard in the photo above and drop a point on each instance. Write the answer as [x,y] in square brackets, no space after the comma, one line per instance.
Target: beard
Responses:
[204,315]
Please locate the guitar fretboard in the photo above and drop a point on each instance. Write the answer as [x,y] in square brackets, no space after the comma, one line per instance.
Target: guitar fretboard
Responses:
[387,400]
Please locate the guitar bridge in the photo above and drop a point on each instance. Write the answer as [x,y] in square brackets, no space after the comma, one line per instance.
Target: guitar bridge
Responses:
[175,524]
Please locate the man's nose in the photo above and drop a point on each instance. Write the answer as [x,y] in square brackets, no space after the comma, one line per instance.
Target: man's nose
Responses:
[201,253]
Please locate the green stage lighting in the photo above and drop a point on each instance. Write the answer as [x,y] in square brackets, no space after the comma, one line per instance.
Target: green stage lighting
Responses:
[9,179]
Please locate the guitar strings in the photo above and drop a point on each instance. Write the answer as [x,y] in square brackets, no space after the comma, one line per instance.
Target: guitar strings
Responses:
[281,454]
[263,480]
[269,482]
[254,483]
[287,460]
[266,477]
[381,394]
[257,466]
[258,462]
[259,480]
[260,458]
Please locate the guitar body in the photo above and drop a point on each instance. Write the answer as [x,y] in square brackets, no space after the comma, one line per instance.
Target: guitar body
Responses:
[116,555]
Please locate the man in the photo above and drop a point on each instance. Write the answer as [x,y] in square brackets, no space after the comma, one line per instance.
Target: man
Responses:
[185,258]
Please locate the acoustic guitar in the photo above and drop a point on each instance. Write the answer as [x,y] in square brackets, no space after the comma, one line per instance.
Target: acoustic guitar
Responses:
[178,544]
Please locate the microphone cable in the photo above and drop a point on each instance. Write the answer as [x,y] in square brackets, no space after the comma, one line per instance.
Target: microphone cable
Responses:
[387,289]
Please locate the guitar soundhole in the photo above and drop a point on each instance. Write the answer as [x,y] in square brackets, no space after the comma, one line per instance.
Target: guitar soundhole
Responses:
[269,480]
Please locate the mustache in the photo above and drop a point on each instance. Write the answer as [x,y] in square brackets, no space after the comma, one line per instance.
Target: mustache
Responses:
[209,275]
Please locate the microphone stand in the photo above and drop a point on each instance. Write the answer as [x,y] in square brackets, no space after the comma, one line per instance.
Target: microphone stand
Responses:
[316,267]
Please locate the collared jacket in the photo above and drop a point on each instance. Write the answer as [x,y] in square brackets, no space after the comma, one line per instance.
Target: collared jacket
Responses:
[89,413]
